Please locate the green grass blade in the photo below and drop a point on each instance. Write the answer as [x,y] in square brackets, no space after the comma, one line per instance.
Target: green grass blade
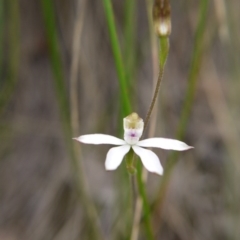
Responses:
[189,97]
[1,35]
[61,92]
[146,207]
[130,41]
[57,66]
[126,105]
[8,86]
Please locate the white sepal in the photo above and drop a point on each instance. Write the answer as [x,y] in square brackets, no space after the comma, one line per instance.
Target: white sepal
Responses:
[115,156]
[164,143]
[149,159]
[100,139]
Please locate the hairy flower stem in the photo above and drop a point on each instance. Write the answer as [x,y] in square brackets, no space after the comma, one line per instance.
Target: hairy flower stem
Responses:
[163,53]
[188,103]
[161,16]
[141,174]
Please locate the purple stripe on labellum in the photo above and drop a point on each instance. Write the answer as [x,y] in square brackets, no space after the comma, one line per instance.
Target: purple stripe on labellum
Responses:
[132,134]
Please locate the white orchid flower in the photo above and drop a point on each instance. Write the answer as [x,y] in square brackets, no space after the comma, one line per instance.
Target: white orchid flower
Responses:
[133,129]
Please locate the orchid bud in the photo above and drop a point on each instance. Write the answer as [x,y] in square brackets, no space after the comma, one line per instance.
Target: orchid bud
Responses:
[162,18]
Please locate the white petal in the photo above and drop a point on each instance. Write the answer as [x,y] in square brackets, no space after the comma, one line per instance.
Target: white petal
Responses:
[149,159]
[115,156]
[100,139]
[165,143]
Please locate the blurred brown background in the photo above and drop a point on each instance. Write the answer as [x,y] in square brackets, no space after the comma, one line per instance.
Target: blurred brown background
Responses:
[37,196]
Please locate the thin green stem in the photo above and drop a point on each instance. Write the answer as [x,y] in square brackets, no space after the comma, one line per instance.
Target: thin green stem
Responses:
[194,69]
[155,67]
[163,53]
[132,172]
[124,97]
[61,93]
[8,86]
[141,204]
[57,67]
[141,174]
[146,208]
[129,40]
[189,99]
[1,34]
[126,105]
[133,191]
